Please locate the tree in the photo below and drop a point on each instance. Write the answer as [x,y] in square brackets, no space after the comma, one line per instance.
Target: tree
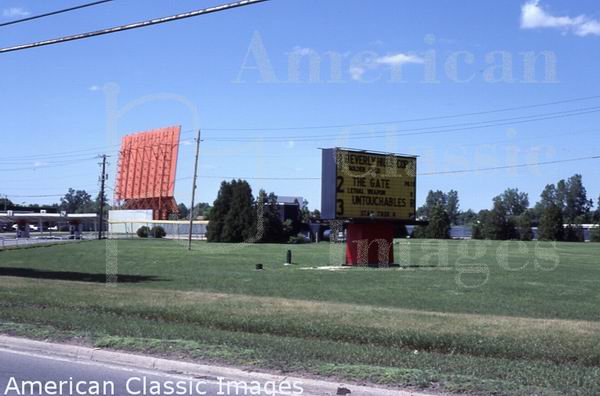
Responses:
[513,201]
[203,209]
[498,224]
[576,203]
[596,217]
[573,232]
[419,232]
[466,217]
[232,216]
[273,228]
[77,201]
[595,233]
[551,224]
[477,231]
[561,194]
[183,211]
[570,197]
[6,204]
[434,198]
[221,207]
[439,224]
[452,206]
[98,201]
[239,223]
[524,224]
[548,198]
[305,212]
[449,202]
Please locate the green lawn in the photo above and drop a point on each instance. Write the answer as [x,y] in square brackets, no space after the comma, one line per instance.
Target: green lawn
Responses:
[479,317]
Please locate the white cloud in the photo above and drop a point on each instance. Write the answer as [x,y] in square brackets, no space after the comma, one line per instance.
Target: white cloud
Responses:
[399,59]
[290,144]
[302,51]
[358,70]
[533,16]
[15,12]
[589,27]
[94,88]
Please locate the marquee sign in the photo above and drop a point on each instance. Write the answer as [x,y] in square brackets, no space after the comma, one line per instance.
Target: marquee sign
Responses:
[368,185]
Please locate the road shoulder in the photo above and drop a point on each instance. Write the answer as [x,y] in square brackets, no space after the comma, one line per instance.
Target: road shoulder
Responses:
[146,362]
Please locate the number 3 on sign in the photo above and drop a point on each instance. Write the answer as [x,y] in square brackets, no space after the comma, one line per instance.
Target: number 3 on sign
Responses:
[339,207]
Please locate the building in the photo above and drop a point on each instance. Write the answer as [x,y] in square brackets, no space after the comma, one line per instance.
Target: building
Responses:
[289,207]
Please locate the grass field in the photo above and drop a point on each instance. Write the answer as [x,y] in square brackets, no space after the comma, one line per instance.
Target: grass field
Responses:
[479,318]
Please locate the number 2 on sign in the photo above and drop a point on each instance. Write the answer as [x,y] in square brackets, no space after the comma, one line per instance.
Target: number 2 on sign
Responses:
[340,183]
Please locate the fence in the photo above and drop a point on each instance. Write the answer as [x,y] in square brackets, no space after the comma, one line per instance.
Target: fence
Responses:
[175,229]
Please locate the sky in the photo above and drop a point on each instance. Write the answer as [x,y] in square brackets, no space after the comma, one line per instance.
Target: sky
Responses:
[463,85]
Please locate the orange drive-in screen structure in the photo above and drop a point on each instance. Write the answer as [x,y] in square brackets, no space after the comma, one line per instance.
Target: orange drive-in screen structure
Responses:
[146,171]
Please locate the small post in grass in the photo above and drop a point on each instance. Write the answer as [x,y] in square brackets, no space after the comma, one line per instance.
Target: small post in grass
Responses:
[288,258]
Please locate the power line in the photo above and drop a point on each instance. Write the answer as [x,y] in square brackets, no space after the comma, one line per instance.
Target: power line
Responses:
[43,195]
[420,174]
[424,130]
[458,171]
[509,166]
[73,153]
[131,26]
[52,158]
[250,178]
[55,12]
[431,118]
[80,152]
[49,165]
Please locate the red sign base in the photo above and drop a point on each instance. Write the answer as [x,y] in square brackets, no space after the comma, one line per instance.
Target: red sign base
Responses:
[370,244]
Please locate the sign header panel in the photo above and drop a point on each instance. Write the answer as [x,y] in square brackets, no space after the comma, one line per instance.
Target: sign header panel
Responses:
[370,185]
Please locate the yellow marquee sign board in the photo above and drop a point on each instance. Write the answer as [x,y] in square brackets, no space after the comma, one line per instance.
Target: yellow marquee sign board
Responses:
[362,184]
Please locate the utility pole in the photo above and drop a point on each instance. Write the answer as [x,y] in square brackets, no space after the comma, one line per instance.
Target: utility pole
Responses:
[102,203]
[194,189]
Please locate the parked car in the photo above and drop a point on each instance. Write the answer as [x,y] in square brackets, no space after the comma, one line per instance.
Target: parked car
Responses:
[31,227]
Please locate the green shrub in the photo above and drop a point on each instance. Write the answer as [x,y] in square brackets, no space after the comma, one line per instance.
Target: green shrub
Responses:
[574,233]
[551,224]
[477,231]
[297,239]
[439,224]
[595,233]
[158,232]
[524,224]
[143,232]
[419,232]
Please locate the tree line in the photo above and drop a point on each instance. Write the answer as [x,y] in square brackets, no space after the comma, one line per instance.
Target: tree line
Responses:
[74,201]
[511,217]
[237,216]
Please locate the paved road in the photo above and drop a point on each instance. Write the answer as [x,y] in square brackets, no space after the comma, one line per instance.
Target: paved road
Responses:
[17,367]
